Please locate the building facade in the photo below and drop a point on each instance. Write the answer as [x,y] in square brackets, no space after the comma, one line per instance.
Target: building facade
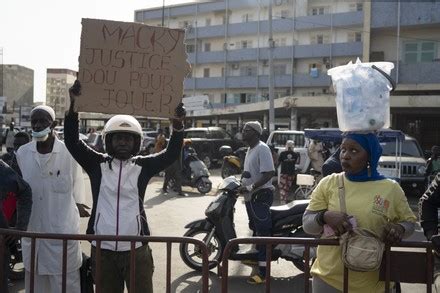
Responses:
[228,47]
[17,85]
[58,82]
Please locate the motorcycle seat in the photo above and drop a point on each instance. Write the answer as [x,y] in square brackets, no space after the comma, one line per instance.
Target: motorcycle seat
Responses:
[296,207]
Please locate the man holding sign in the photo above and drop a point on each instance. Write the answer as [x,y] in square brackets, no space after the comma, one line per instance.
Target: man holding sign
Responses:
[132,69]
[119,180]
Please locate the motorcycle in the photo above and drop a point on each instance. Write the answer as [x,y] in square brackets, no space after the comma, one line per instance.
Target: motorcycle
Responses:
[218,228]
[232,161]
[194,174]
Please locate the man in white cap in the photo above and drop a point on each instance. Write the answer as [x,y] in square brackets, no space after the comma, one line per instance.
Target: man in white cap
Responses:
[258,190]
[57,186]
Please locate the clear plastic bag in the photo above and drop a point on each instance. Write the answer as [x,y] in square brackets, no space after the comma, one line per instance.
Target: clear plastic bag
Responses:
[362,95]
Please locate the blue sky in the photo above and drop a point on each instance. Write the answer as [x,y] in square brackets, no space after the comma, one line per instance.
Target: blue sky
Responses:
[42,34]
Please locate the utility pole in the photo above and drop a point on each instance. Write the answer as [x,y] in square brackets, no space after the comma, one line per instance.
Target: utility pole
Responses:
[163,13]
[271,77]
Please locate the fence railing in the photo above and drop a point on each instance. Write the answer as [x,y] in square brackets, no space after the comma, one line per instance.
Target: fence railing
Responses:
[418,264]
[98,240]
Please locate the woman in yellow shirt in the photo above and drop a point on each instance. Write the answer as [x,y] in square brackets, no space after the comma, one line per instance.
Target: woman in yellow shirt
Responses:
[376,203]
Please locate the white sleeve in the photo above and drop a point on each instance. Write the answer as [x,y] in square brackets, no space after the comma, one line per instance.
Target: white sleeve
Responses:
[78,183]
[266,160]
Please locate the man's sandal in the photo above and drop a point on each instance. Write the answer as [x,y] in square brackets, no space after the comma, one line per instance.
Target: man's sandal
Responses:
[256,280]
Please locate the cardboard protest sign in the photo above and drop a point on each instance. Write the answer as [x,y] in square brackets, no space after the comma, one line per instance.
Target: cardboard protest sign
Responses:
[131,68]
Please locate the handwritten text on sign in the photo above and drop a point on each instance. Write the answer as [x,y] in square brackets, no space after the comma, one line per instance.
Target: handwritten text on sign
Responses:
[131,68]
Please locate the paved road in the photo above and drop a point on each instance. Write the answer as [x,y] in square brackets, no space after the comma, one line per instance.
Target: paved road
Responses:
[168,214]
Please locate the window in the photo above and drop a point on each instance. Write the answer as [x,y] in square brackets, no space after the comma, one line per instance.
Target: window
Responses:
[196,134]
[354,37]
[319,39]
[247,17]
[280,42]
[207,47]
[208,22]
[284,13]
[356,7]
[223,71]
[218,134]
[205,72]
[279,69]
[416,52]
[245,44]
[248,71]
[317,11]
[190,48]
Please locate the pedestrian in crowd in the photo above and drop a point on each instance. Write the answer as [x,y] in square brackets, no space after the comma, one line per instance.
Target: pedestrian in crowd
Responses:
[11,184]
[372,202]
[1,138]
[118,181]
[433,163]
[239,134]
[58,191]
[287,160]
[316,155]
[174,172]
[332,164]
[258,191]
[429,204]
[10,133]
[20,138]
[160,142]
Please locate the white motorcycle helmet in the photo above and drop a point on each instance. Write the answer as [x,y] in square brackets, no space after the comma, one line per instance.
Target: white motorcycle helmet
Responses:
[122,123]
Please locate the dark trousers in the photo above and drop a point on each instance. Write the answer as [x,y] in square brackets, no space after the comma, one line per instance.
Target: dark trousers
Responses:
[4,285]
[174,171]
[260,221]
[115,270]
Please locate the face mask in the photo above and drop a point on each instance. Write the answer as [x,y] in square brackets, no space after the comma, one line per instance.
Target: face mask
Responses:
[41,135]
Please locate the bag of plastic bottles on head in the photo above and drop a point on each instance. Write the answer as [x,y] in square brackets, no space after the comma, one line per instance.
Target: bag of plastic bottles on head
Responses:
[362,95]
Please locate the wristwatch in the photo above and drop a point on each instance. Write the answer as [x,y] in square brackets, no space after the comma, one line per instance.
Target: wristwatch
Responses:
[250,187]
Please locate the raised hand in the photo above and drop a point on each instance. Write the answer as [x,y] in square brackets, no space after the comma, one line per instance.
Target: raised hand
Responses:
[179,116]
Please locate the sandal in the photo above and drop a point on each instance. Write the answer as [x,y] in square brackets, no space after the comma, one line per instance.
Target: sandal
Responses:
[256,280]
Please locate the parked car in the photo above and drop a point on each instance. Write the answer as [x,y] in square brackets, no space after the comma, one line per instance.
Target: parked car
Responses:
[95,142]
[278,139]
[207,142]
[412,173]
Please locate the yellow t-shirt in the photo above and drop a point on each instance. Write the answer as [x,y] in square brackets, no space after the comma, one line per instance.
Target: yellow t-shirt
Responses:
[373,204]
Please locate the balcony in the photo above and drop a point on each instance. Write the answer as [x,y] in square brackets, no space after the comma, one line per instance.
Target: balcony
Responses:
[300,51]
[418,73]
[249,82]
[344,19]
[384,14]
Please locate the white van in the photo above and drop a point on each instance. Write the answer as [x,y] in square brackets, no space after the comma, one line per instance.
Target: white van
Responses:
[278,139]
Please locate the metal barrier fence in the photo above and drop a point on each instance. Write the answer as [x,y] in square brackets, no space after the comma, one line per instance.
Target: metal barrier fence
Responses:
[99,238]
[403,260]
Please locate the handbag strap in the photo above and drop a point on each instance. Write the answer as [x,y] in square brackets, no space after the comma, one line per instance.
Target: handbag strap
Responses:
[341,191]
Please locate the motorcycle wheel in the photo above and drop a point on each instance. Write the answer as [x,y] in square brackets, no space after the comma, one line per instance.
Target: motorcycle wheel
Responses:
[228,170]
[203,187]
[302,192]
[192,255]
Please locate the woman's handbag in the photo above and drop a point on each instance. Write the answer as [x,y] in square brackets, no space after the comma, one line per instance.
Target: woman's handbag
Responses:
[362,250]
